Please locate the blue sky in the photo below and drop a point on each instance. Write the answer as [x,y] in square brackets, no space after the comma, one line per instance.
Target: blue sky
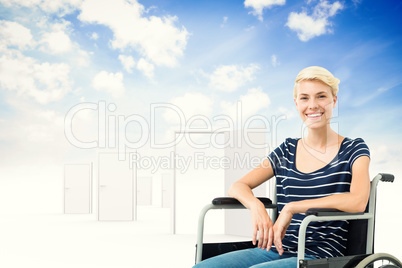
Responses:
[201,56]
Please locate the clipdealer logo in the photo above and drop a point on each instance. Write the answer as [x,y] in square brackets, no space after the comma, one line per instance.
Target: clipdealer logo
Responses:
[112,128]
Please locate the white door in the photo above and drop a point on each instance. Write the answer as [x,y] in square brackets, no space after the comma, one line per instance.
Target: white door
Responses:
[77,188]
[115,188]
[144,191]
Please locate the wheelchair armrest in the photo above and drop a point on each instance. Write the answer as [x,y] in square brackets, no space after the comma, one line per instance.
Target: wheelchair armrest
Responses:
[329,212]
[233,201]
[222,203]
[385,177]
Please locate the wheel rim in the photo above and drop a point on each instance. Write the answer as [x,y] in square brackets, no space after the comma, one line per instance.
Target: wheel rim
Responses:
[379,260]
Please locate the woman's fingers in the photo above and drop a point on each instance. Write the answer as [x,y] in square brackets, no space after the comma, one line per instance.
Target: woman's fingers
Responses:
[278,243]
[265,235]
[270,238]
[255,231]
[260,236]
[278,235]
[280,227]
[262,227]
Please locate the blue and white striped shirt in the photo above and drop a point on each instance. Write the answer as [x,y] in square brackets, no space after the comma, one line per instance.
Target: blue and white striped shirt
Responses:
[323,239]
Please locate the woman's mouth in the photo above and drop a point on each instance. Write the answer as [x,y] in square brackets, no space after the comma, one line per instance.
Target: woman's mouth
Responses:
[314,116]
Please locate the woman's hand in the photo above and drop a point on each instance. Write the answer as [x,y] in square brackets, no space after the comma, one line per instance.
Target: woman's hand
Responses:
[242,191]
[262,224]
[280,227]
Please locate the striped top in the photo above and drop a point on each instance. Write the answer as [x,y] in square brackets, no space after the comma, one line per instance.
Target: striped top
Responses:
[323,239]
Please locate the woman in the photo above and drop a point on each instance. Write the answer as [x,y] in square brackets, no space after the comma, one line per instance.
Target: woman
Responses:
[322,169]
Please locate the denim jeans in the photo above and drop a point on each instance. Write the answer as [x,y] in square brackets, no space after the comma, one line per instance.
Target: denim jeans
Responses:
[255,258]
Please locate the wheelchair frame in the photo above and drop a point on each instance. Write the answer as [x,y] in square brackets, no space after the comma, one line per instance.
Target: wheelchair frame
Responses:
[314,214]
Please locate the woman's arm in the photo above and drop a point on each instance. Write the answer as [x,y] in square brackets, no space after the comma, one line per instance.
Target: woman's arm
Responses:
[241,190]
[354,201]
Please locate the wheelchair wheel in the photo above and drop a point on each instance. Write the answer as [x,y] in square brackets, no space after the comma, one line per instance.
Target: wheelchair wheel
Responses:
[380,260]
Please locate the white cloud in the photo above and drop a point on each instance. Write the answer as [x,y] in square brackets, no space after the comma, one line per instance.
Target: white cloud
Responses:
[14,34]
[146,67]
[142,65]
[287,112]
[190,104]
[155,38]
[307,26]
[44,82]
[57,41]
[61,7]
[109,82]
[94,36]
[356,2]
[225,20]
[324,9]
[251,103]
[274,60]
[127,62]
[249,29]
[82,58]
[260,5]
[230,77]
[32,78]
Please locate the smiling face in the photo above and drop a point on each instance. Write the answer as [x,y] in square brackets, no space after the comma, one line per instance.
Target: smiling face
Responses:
[315,102]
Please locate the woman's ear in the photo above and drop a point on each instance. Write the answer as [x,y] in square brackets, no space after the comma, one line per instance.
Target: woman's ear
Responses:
[335,100]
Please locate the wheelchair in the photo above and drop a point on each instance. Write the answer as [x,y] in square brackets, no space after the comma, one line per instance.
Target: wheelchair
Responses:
[360,248]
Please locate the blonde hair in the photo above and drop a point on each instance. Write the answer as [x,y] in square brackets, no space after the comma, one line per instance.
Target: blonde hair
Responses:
[316,73]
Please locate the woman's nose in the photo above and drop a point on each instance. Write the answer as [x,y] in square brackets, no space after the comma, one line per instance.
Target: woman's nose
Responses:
[313,104]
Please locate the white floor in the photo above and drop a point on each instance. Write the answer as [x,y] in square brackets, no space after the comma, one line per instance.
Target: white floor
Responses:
[35,233]
[57,240]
